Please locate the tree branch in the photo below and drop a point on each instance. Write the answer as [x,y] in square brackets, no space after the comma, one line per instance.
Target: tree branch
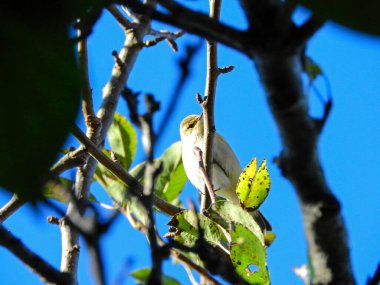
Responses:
[145,123]
[300,163]
[375,279]
[68,161]
[111,94]
[35,263]
[175,254]
[123,21]
[12,206]
[206,180]
[184,65]
[195,22]
[209,102]
[125,177]
[301,35]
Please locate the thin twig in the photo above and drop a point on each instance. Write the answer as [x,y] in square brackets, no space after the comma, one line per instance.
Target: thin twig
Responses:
[151,171]
[159,37]
[70,160]
[184,65]
[195,22]
[83,180]
[35,263]
[209,102]
[9,208]
[88,107]
[123,21]
[210,189]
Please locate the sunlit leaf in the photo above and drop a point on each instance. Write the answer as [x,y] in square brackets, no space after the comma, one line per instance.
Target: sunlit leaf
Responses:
[123,140]
[141,277]
[186,221]
[245,180]
[253,188]
[171,180]
[226,213]
[248,255]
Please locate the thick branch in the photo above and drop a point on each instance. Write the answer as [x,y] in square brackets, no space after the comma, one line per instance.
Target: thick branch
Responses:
[301,35]
[35,263]
[375,279]
[300,163]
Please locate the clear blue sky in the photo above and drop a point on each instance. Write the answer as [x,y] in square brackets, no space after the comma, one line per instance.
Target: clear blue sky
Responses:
[348,148]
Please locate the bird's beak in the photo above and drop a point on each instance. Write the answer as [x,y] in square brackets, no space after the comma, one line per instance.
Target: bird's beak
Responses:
[200,116]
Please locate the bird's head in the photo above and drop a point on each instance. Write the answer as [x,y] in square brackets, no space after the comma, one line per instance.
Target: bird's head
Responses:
[192,125]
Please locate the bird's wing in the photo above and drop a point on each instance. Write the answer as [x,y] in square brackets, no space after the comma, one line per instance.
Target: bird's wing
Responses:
[226,168]
[226,159]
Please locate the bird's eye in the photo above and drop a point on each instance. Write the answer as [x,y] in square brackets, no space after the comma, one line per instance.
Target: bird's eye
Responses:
[191,125]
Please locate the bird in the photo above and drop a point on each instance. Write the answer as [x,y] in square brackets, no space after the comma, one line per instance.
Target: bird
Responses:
[226,166]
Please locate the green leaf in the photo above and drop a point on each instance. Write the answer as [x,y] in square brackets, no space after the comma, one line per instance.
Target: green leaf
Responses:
[58,189]
[186,221]
[226,213]
[253,188]
[357,15]
[247,250]
[123,140]
[171,180]
[141,277]
[118,191]
[312,69]
[40,86]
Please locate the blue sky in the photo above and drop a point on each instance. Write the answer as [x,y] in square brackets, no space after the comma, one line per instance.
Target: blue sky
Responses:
[348,148]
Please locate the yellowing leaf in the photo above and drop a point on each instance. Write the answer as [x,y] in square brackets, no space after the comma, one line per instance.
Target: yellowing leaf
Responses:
[269,237]
[252,189]
[245,180]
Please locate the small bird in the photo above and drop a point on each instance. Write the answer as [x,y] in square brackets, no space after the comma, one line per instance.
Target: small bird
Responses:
[226,166]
